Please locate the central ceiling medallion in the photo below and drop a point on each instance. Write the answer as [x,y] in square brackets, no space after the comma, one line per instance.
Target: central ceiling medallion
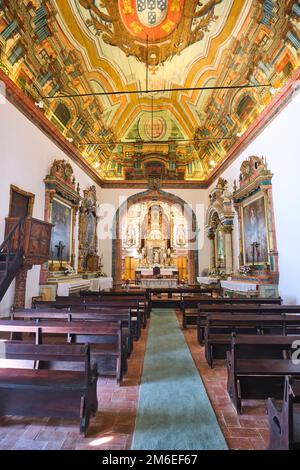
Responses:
[154,129]
[150,30]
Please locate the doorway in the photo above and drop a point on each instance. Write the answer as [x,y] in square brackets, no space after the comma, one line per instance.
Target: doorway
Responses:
[21,203]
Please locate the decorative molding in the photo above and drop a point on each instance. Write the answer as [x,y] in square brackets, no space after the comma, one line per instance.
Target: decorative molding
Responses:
[88,243]
[24,104]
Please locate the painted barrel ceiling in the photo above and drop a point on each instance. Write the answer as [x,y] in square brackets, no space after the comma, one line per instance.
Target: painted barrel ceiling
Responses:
[80,58]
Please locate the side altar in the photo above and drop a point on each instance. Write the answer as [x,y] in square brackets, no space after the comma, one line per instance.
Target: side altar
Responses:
[258,257]
[74,261]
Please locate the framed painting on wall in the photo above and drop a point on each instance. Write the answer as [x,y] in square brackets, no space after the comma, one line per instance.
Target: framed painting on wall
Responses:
[255,231]
[61,218]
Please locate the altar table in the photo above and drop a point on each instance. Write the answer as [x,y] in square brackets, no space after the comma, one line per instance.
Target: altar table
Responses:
[159,283]
[207,280]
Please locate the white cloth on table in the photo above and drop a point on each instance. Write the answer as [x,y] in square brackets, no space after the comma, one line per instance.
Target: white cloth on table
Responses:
[239,286]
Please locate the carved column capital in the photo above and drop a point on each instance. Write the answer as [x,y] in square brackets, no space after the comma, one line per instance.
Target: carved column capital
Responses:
[211,234]
[228,228]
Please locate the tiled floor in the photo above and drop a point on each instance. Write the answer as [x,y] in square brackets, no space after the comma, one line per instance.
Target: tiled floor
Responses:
[113,426]
[246,431]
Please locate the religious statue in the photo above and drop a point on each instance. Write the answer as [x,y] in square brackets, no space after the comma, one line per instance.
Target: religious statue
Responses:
[181,235]
[156,257]
[130,236]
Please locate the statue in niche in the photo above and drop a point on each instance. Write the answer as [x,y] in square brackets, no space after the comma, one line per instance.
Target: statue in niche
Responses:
[181,235]
[156,257]
[130,235]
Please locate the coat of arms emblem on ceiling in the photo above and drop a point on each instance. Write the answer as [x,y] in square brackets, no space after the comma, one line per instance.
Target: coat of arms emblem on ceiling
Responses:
[150,30]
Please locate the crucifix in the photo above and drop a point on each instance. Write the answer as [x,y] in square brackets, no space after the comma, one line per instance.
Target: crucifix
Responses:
[255,246]
[60,248]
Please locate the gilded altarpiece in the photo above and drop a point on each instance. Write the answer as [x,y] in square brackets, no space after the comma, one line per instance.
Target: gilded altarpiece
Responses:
[88,259]
[62,199]
[219,229]
[253,202]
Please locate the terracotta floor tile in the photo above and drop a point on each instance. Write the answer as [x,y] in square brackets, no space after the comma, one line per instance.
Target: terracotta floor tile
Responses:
[112,427]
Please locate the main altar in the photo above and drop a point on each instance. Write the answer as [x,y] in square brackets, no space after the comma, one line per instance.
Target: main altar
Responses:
[155,244]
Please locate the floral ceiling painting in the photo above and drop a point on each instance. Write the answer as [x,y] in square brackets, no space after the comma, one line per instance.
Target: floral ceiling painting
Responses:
[122,80]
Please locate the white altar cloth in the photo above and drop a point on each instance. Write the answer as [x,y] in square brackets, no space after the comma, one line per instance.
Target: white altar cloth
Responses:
[207,280]
[101,283]
[70,287]
[159,283]
[163,271]
[239,286]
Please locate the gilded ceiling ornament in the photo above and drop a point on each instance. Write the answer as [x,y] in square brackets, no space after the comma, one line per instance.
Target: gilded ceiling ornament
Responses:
[150,30]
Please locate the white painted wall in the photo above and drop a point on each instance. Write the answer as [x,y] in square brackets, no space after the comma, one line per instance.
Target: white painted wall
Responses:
[279,142]
[111,199]
[26,155]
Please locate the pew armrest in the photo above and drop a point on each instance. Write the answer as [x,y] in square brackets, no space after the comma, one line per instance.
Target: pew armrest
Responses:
[275,423]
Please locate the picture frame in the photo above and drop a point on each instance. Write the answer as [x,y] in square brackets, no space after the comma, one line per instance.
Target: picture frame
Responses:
[61,216]
[255,231]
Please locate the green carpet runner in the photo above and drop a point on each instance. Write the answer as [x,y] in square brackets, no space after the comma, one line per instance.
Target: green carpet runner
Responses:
[174,411]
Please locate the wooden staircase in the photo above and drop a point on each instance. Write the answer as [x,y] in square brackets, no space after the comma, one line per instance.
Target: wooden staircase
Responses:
[26,243]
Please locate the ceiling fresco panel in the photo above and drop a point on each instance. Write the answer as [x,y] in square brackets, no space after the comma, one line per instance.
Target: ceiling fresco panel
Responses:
[79,58]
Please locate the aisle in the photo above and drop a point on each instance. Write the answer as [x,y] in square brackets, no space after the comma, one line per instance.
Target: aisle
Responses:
[174,411]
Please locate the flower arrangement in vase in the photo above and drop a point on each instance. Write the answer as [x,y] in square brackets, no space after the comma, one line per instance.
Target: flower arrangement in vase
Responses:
[245,270]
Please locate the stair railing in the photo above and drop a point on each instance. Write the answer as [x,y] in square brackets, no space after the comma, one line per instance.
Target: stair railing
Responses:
[7,246]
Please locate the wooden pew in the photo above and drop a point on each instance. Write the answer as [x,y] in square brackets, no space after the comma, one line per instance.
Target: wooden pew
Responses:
[189,315]
[219,328]
[69,394]
[104,315]
[205,310]
[79,303]
[139,294]
[105,339]
[188,294]
[257,378]
[142,306]
[284,422]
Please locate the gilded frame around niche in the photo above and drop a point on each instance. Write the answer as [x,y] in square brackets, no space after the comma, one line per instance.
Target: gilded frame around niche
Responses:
[254,228]
[61,216]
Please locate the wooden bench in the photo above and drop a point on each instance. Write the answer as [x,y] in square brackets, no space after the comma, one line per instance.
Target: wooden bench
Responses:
[257,378]
[95,303]
[104,315]
[105,339]
[284,422]
[142,295]
[69,394]
[219,328]
[189,315]
[180,293]
[205,310]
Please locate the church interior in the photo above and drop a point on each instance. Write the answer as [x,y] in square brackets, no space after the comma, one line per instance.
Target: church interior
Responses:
[149,284]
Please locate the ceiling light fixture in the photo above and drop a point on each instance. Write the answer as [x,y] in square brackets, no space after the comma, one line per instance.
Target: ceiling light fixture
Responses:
[40,104]
[162,90]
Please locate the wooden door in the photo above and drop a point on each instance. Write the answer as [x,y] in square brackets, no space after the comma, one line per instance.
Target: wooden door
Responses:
[21,203]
